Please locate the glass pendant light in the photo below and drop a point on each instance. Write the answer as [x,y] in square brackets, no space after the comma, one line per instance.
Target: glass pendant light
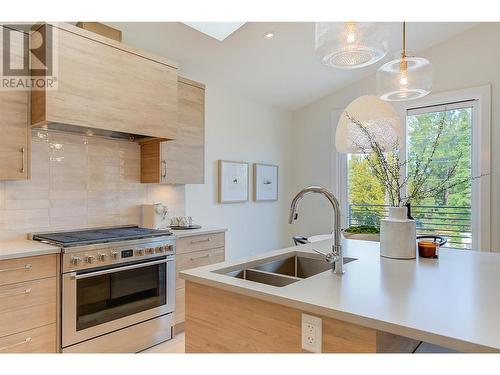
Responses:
[404,78]
[351,44]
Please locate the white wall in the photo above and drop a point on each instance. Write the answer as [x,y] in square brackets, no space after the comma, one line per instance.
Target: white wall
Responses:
[467,60]
[240,130]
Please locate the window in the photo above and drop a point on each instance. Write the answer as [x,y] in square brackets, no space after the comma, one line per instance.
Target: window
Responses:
[460,210]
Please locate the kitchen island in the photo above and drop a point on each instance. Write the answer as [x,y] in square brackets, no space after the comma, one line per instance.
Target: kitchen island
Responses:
[377,305]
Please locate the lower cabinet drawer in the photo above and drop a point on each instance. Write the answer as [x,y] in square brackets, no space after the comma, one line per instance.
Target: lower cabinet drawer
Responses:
[199,242]
[180,302]
[38,340]
[28,318]
[29,268]
[19,296]
[196,259]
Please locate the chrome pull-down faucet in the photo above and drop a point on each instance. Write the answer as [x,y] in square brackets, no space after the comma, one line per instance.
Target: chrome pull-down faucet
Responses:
[335,257]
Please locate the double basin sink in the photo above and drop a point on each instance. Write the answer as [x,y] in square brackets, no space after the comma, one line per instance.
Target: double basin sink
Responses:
[281,270]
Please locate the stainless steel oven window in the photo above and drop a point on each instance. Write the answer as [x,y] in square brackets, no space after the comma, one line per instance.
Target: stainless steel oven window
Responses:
[106,297]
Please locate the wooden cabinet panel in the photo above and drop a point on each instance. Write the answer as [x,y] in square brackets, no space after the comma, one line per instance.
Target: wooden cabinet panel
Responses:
[185,157]
[181,161]
[199,242]
[194,251]
[14,110]
[22,295]
[29,268]
[105,85]
[28,318]
[196,259]
[38,340]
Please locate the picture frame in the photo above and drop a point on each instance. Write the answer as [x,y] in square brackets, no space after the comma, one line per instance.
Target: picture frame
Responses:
[265,182]
[233,181]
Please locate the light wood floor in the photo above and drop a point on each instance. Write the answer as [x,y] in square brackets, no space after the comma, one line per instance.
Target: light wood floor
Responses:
[176,345]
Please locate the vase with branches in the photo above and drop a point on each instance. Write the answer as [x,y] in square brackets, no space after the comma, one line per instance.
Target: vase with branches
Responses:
[388,168]
[401,189]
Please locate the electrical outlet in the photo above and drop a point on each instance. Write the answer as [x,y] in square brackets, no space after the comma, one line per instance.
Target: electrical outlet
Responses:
[311,333]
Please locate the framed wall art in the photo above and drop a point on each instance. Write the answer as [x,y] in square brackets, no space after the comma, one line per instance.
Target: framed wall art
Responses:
[265,182]
[233,181]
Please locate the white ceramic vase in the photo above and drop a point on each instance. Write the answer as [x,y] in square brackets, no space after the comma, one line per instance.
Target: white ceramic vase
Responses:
[398,236]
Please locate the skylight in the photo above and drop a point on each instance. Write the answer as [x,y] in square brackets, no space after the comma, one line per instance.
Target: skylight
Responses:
[217,30]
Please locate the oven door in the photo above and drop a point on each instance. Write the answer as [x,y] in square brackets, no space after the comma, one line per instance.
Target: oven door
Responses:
[101,301]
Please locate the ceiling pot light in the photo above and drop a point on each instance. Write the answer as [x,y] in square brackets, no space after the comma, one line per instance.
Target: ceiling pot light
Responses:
[269,35]
[404,78]
[351,44]
[378,116]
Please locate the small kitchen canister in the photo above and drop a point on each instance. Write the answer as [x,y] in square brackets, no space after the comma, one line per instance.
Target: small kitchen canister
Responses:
[398,235]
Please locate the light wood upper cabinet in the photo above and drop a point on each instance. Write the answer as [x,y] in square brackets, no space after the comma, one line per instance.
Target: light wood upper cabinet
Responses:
[14,127]
[103,84]
[181,161]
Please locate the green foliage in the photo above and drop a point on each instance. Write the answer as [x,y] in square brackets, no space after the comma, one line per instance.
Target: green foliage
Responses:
[363,229]
[454,149]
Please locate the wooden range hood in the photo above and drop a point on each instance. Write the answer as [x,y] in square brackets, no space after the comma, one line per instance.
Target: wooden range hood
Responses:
[103,87]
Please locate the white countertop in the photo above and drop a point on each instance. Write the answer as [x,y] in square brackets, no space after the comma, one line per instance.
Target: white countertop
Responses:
[195,232]
[25,248]
[453,301]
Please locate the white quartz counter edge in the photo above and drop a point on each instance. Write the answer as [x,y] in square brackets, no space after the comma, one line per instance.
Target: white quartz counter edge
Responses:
[25,248]
[307,303]
[196,232]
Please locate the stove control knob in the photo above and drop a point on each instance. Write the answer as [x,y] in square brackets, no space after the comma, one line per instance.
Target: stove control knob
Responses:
[102,257]
[139,252]
[168,248]
[76,261]
[114,255]
[159,249]
[90,259]
[150,250]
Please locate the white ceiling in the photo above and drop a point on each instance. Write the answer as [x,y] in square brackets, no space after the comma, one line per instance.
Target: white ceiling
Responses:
[283,71]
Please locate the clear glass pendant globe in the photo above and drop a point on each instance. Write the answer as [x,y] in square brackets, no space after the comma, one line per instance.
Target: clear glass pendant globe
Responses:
[404,79]
[351,44]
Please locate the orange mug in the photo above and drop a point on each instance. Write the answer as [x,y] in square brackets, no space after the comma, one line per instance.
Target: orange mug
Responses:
[428,245]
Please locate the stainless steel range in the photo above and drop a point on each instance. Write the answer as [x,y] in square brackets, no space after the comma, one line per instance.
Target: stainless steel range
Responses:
[118,291]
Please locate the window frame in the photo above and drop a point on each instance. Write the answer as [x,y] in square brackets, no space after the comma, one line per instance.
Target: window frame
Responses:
[481,154]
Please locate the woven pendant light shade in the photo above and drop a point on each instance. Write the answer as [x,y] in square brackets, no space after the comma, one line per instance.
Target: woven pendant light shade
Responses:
[379,118]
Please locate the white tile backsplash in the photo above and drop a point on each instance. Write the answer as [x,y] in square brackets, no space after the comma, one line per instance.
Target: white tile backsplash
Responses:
[79,182]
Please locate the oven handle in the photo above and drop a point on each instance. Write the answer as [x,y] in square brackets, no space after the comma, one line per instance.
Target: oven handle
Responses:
[124,268]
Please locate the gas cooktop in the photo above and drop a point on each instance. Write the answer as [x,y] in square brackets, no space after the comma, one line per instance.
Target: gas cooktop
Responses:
[99,235]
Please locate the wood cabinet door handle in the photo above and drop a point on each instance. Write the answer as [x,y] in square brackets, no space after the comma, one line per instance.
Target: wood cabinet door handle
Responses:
[163,169]
[23,157]
[200,257]
[200,241]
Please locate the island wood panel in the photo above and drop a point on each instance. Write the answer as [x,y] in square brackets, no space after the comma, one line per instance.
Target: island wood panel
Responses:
[185,156]
[103,86]
[219,321]
[38,340]
[14,114]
